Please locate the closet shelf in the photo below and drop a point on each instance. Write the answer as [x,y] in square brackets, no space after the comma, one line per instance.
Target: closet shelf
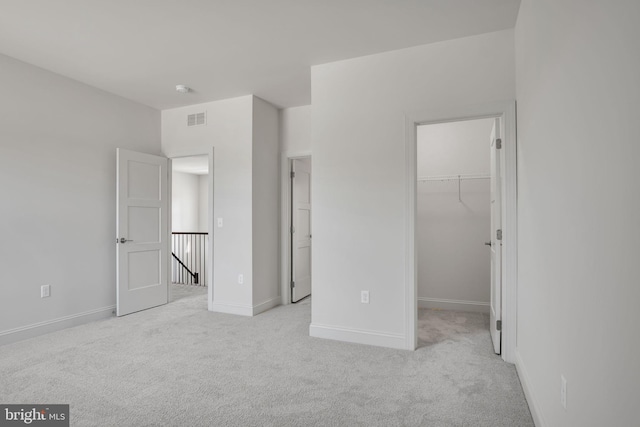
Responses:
[452,178]
[458,178]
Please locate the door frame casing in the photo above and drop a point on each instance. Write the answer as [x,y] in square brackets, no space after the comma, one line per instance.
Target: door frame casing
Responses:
[505,110]
[210,217]
[170,227]
[285,218]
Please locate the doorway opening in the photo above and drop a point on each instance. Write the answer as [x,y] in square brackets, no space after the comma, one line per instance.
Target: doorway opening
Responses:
[453,228]
[190,246]
[299,217]
[504,300]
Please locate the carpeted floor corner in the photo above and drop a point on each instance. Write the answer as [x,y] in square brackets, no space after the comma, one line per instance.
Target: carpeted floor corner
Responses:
[180,365]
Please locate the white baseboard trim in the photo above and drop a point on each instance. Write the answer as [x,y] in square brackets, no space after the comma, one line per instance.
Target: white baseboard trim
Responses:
[358,336]
[534,407]
[41,328]
[231,308]
[268,304]
[243,309]
[454,305]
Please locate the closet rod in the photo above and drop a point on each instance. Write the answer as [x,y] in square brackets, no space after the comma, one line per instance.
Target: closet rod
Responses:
[458,178]
[452,178]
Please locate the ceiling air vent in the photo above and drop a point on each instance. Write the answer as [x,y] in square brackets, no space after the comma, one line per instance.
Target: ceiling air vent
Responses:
[197,119]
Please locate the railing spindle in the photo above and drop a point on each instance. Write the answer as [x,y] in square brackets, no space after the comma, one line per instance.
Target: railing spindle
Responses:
[189,261]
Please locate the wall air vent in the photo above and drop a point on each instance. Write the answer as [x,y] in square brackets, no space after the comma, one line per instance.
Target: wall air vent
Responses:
[197,119]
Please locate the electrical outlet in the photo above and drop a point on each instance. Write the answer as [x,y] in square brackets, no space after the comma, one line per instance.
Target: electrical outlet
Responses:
[563,391]
[240,279]
[45,291]
[219,222]
[364,297]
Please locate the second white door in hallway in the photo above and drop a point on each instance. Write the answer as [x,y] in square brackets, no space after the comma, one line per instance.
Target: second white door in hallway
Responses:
[300,229]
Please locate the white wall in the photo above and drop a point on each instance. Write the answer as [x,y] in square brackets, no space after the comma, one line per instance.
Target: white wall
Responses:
[185,202]
[453,262]
[58,141]
[578,204]
[266,204]
[359,171]
[189,202]
[229,129]
[295,130]
[454,148]
[203,203]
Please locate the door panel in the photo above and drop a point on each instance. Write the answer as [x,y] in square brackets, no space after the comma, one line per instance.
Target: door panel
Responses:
[144,224]
[144,269]
[496,244]
[143,180]
[301,229]
[142,231]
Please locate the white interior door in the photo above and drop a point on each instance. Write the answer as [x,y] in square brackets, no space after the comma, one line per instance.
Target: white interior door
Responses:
[300,229]
[496,239]
[142,228]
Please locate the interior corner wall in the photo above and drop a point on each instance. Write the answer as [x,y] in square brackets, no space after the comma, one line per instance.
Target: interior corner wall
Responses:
[58,141]
[295,130]
[360,195]
[229,130]
[266,205]
[454,219]
[578,204]
[185,202]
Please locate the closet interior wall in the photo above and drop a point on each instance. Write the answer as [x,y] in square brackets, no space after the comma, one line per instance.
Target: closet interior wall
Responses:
[453,218]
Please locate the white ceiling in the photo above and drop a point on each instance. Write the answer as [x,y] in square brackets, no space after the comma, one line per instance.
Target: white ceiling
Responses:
[197,165]
[141,49]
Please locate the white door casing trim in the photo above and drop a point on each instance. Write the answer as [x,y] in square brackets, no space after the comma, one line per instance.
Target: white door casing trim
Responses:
[169,227]
[210,217]
[411,253]
[211,226]
[507,111]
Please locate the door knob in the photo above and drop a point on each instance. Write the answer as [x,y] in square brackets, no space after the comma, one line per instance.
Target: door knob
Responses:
[487,243]
[123,240]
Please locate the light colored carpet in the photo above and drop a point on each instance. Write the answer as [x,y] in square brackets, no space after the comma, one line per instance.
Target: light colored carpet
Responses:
[179,365]
[179,291]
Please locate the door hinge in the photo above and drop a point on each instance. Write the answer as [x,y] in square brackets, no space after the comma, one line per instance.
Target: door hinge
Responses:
[292,174]
[499,325]
[498,143]
[499,234]
[292,230]
[293,284]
